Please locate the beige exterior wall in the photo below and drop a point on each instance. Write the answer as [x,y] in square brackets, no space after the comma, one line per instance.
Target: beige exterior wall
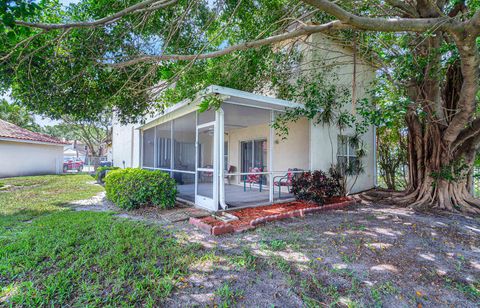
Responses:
[338,61]
[125,146]
[21,159]
[293,152]
[321,146]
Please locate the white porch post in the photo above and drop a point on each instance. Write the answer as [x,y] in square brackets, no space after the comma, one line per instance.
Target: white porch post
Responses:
[216,170]
[221,163]
[196,154]
[270,157]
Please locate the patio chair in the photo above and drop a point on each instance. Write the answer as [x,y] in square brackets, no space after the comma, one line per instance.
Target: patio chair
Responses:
[252,178]
[231,169]
[207,176]
[285,180]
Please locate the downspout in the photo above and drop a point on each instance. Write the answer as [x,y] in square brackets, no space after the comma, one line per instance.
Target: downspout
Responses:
[221,171]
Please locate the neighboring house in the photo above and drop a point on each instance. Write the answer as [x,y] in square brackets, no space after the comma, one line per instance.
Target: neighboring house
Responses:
[231,157]
[75,149]
[23,152]
[80,150]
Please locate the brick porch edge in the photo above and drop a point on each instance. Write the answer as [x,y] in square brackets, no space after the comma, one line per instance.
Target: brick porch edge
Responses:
[227,228]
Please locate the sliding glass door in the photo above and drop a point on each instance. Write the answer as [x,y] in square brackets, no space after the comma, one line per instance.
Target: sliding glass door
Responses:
[254,155]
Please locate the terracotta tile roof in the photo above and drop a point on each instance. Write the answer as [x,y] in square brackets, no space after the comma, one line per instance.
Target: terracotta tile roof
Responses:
[12,131]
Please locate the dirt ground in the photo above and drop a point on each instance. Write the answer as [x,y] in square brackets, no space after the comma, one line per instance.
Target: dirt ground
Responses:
[371,255]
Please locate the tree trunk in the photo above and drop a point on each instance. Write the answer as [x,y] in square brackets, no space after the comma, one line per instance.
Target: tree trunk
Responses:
[443,135]
[438,178]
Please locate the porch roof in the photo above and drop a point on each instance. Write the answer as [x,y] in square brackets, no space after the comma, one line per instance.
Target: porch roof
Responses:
[232,96]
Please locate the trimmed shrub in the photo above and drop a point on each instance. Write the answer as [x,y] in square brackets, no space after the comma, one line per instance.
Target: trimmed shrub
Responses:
[102,171]
[315,186]
[132,188]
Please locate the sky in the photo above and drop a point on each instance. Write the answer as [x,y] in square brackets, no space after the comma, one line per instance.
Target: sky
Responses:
[67,2]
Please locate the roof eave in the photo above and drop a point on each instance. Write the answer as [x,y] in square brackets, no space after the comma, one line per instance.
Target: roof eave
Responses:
[31,141]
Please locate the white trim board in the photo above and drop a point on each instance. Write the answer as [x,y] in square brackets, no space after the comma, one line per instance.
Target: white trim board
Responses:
[32,141]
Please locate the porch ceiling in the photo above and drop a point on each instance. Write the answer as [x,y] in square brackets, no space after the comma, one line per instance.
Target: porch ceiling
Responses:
[232,96]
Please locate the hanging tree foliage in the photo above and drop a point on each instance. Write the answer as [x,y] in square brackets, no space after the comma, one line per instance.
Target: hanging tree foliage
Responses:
[119,55]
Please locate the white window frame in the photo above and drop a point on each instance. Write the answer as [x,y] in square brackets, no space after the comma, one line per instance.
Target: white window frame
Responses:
[348,155]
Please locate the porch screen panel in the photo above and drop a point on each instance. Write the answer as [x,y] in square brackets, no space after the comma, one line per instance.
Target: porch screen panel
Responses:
[205,184]
[247,131]
[185,185]
[205,147]
[184,131]
[148,147]
[164,145]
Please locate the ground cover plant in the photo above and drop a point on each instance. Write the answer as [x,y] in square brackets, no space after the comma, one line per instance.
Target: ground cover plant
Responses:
[316,186]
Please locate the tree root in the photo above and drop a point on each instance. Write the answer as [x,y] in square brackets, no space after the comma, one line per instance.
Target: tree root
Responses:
[444,195]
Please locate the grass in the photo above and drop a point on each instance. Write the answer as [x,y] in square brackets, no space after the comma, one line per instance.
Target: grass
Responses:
[32,196]
[52,256]
[227,295]
[274,245]
[244,261]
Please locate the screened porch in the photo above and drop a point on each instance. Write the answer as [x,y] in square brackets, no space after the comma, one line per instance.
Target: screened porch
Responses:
[229,157]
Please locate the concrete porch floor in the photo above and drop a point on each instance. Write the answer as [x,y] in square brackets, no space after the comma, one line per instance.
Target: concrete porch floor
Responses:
[235,196]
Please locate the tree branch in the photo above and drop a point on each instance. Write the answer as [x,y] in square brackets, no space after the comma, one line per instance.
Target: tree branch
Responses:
[470,62]
[457,8]
[474,23]
[383,24]
[301,31]
[402,6]
[467,133]
[146,5]
[346,20]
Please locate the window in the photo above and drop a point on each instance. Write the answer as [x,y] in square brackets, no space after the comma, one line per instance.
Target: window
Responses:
[346,154]
[254,155]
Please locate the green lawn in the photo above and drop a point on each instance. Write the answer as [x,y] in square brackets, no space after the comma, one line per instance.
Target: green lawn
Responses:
[53,256]
[38,195]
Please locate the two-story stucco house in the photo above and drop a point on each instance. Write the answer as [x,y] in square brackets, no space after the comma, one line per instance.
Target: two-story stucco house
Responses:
[232,157]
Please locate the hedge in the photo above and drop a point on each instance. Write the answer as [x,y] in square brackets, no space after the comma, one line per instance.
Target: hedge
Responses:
[101,172]
[132,188]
